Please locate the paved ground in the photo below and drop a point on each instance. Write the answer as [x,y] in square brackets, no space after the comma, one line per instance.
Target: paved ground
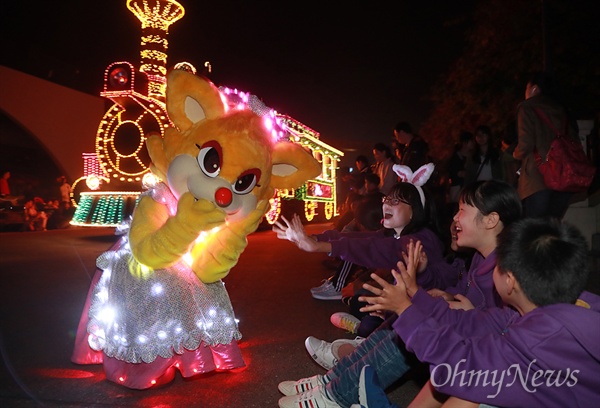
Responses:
[44,280]
[45,277]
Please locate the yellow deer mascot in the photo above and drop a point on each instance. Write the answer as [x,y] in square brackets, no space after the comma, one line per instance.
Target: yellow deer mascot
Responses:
[157,303]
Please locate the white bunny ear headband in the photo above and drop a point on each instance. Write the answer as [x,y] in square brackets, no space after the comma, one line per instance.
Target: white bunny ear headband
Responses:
[417,179]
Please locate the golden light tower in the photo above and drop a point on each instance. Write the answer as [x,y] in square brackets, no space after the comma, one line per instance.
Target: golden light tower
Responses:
[122,163]
[156,16]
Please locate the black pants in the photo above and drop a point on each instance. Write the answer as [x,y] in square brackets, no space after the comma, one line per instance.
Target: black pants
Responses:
[546,203]
[368,323]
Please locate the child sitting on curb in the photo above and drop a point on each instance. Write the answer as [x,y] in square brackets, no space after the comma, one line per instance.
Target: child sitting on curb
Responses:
[487,207]
[541,350]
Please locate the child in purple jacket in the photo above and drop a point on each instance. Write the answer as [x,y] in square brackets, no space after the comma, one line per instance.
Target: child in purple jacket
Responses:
[486,208]
[405,212]
[542,350]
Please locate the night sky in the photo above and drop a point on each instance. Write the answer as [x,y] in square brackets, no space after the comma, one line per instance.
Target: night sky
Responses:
[349,70]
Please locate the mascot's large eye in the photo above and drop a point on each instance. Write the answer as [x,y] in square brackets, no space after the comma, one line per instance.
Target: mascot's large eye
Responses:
[209,158]
[246,181]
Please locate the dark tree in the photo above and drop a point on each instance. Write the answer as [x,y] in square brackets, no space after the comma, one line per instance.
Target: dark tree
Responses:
[509,39]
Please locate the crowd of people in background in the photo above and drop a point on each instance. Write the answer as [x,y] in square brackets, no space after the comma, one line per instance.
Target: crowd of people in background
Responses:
[505,244]
[35,213]
[479,154]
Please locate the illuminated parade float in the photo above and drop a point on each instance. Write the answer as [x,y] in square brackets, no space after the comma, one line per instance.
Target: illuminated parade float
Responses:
[318,194]
[115,175]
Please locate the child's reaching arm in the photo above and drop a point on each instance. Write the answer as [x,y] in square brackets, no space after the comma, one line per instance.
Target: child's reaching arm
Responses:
[395,297]
[294,231]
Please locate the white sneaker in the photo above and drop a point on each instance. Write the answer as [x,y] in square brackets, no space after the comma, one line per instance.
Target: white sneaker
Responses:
[345,321]
[320,351]
[336,344]
[324,284]
[315,398]
[300,386]
[325,353]
[327,292]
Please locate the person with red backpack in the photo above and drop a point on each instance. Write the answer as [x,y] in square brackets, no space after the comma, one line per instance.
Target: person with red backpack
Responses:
[540,119]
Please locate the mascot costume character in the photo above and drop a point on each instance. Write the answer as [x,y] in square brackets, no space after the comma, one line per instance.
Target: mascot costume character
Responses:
[157,303]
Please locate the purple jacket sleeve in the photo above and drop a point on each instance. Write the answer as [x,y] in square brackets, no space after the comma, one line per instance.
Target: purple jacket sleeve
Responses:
[378,251]
[473,322]
[371,252]
[547,357]
[454,357]
[441,274]
[331,235]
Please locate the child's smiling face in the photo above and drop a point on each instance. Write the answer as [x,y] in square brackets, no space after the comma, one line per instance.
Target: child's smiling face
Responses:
[468,226]
[396,214]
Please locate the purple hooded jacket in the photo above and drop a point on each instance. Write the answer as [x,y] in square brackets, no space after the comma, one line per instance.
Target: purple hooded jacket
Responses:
[549,357]
[375,250]
[478,285]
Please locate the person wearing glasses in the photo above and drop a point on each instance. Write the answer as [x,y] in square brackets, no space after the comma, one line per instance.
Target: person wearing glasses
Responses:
[485,209]
[408,215]
[405,218]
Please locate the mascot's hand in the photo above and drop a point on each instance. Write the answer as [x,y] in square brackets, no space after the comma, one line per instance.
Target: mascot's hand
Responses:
[200,215]
[249,224]
[218,257]
[158,240]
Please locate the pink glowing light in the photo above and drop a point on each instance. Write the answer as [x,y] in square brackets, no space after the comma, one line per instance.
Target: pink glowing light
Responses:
[268,123]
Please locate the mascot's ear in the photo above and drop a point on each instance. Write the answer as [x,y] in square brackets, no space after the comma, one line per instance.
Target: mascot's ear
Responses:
[292,166]
[191,99]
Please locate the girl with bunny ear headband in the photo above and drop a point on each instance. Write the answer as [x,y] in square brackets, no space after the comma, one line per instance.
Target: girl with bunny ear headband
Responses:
[405,212]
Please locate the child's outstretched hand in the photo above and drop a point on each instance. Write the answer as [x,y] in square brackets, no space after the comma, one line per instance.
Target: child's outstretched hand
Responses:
[413,261]
[460,302]
[422,260]
[440,293]
[395,297]
[392,297]
[294,231]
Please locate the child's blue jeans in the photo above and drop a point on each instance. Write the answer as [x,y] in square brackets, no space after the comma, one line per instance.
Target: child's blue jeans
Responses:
[383,350]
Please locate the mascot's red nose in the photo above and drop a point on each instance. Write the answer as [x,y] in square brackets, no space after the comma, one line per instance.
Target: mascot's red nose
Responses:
[223,197]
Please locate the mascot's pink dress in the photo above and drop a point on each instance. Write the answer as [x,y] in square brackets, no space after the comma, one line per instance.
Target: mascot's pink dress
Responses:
[192,328]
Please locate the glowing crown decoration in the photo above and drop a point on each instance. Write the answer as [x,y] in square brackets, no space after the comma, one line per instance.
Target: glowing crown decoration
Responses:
[242,100]
[156,17]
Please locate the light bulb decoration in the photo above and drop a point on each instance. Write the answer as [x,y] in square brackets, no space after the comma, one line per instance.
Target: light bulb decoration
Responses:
[121,159]
[156,16]
[138,111]
[274,211]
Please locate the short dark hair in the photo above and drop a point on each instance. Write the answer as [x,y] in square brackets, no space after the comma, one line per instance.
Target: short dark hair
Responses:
[368,213]
[548,258]
[541,80]
[380,147]
[403,126]
[490,196]
[362,158]
[484,129]
[372,178]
